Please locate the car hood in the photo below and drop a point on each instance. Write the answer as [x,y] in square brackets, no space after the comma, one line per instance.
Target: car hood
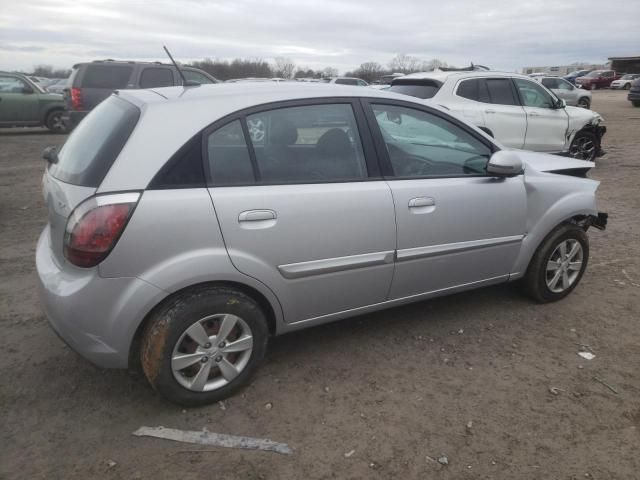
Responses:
[544,162]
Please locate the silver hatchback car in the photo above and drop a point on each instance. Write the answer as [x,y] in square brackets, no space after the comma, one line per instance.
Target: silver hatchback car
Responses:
[187,225]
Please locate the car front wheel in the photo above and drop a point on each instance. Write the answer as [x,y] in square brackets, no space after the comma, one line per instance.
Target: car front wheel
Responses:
[627,86]
[558,265]
[203,345]
[584,146]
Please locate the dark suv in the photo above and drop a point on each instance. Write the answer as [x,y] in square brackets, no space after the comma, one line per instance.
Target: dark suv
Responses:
[634,93]
[90,83]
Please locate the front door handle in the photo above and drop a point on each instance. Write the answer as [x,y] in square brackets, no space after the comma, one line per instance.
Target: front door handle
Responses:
[257,215]
[421,202]
[489,111]
[534,114]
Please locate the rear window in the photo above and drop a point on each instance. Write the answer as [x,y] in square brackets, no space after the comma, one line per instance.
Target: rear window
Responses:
[107,76]
[416,88]
[347,81]
[93,146]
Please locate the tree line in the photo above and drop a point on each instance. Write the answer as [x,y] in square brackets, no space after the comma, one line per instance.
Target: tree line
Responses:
[284,67]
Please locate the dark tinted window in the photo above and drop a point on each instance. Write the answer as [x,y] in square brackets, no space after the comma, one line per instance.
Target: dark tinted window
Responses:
[550,82]
[156,77]
[416,88]
[107,76]
[500,91]
[94,145]
[229,160]
[184,169]
[347,81]
[315,143]
[421,144]
[474,89]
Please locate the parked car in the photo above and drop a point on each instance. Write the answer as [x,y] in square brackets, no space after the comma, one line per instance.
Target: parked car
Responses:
[24,104]
[90,83]
[571,76]
[515,109]
[180,241]
[625,81]
[572,95]
[634,93]
[58,86]
[597,79]
[347,81]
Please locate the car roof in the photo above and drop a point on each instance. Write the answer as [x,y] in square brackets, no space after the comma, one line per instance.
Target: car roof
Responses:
[442,76]
[239,95]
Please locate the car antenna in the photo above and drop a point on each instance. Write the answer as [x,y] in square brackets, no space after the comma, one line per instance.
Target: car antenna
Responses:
[185,82]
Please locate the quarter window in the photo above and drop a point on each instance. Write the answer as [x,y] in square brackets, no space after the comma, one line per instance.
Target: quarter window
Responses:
[474,89]
[156,77]
[421,144]
[533,95]
[107,76]
[229,160]
[315,143]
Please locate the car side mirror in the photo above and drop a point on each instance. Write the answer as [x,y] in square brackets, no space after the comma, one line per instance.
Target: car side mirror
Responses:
[505,163]
[560,104]
[27,89]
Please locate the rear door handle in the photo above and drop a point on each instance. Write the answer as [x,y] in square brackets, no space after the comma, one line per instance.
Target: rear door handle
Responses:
[489,111]
[421,202]
[257,215]
[534,114]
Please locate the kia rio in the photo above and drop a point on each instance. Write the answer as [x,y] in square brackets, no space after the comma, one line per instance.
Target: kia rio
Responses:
[188,225]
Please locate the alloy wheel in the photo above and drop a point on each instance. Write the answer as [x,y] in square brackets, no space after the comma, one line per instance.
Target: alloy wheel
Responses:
[564,265]
[583,148]
[212,352]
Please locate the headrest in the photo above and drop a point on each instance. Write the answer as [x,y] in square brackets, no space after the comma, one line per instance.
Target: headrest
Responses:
[283,132]
[334,142]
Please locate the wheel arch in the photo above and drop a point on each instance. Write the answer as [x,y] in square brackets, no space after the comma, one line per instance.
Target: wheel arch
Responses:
[259,297]
[48,110]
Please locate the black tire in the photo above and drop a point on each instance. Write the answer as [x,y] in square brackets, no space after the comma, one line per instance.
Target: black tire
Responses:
[535,280]
[584,146]
[635,103]
[584,103]
[167,325]
[627,86]
[54,121]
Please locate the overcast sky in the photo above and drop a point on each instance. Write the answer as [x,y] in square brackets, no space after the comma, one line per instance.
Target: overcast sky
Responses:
[503,34]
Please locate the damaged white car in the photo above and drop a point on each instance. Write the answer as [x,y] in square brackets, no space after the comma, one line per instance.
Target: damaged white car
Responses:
[514,109]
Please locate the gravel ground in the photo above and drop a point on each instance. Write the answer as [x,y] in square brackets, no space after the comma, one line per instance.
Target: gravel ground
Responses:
[398,388]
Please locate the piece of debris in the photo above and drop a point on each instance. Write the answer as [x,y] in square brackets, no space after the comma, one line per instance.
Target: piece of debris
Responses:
[555,390]
[572,330]
[469,426]
[374,465]
[110,463]
[461,331]
[349,453]
[605,384]
[268,406]
[217,439]
[222,405]
[443,460]
[586,355]
[326,389]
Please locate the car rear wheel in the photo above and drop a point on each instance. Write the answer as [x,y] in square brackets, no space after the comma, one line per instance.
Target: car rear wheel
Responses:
[627,86]
[54,121]
[558,265]
[203,345]
[584,103]
[635,103]
[584,146]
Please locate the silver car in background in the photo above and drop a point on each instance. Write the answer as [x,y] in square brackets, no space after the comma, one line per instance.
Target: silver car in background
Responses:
[565,90]
[187,225]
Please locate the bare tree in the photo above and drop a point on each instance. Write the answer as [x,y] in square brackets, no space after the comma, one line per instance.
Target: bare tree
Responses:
[433,64]
[329,72]
[49,72]
[405,63]
[369,71]
[284,67]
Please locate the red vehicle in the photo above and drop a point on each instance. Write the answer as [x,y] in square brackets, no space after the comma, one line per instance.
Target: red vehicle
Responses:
[597,79]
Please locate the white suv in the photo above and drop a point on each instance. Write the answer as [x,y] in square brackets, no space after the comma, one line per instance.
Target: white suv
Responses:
[516,110]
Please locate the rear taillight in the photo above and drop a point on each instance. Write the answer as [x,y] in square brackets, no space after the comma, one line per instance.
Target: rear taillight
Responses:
[95,226]
[76,98]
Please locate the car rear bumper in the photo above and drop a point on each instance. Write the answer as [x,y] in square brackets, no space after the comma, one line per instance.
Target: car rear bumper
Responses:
[71,118]
[97,317]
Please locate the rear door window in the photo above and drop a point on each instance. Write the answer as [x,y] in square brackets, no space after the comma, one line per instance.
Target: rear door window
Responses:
[107,76]
[153,77]
[91,149]
[501,91]
[474,89]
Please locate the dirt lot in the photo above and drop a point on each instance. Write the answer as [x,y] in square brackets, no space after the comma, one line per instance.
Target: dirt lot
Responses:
[398,387]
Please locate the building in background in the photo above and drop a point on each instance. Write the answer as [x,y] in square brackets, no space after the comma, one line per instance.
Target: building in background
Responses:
[561,70]
[625,64]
